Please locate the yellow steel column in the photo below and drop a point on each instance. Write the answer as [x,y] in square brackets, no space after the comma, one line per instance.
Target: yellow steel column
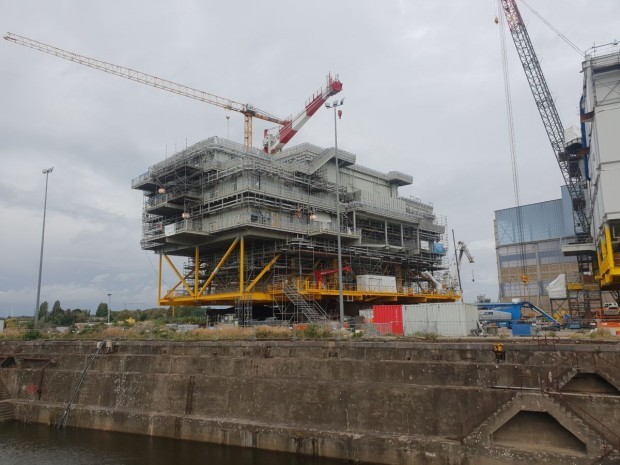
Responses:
[241,270]
[262,273]
[196,271]
[219,265]
[181,278]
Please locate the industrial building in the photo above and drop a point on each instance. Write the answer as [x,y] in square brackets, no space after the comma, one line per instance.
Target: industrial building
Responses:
[600,116]
[260,231]
[528,241]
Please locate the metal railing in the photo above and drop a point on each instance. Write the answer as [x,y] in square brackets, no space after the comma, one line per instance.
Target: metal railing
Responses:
[310,309]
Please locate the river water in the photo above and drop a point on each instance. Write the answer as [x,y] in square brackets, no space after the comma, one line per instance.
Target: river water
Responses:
[33,444]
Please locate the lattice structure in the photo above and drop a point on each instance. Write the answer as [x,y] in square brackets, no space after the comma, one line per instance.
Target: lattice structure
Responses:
[253,226]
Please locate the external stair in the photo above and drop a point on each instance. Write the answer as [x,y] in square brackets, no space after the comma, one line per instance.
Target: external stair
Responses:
[310,309]
[587,421]
[7,412]
[596,443]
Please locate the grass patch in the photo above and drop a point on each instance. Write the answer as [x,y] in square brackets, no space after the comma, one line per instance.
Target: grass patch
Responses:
[426,335]
[313,332]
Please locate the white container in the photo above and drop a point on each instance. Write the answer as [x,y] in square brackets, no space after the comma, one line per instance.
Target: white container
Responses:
[367,314]
[455,319]
[557,288]
[376,283]
[494,315]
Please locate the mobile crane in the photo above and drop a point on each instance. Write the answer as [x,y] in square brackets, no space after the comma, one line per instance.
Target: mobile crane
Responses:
[569,156]
[460,250]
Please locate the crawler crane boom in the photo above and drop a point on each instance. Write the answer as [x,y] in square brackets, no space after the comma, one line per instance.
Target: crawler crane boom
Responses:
[568,157]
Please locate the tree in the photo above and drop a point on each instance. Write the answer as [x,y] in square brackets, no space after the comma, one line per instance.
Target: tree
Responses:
[483,299]
[43,310]
[56,308]
[102,310]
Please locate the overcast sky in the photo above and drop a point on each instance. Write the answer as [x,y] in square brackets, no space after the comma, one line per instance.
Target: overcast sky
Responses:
[424,95]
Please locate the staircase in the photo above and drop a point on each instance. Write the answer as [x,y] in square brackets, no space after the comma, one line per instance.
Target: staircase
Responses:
[588,422]
[566,377]
[597,442]
[243,311]
[7,412]
[310,309]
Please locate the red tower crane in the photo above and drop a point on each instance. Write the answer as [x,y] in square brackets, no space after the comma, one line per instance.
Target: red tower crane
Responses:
[290,126]
[274,142]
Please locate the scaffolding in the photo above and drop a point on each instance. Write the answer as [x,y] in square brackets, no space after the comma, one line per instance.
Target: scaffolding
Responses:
[255,229]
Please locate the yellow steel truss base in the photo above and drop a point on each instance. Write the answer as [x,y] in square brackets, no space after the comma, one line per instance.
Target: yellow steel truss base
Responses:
[188,292]
[608,263]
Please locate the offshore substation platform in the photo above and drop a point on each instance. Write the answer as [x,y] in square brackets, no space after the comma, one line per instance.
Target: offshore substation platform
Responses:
[259,231]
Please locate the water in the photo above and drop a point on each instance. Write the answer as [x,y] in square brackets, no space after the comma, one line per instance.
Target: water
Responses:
[33,444]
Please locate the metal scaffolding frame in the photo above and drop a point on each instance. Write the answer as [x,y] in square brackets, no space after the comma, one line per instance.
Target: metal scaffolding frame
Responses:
[254,227]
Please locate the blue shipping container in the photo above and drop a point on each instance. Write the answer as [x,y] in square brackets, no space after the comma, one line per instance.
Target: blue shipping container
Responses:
[520,329]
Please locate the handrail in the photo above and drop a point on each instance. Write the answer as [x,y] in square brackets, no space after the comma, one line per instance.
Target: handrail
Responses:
[63,419]
[520,386]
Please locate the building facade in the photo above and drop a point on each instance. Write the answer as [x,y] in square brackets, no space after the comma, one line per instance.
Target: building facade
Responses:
[600,116]
[528,241]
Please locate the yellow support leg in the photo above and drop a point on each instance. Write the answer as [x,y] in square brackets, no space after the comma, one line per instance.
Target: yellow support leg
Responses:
[219,265]
[181,278]
[262,273]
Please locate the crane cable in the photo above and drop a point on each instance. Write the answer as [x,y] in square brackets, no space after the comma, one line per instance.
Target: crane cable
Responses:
[499,19]
[562,36]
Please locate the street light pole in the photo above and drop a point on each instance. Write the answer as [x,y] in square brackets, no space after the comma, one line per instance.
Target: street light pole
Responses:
[109,296]
[337,114]
[46,172]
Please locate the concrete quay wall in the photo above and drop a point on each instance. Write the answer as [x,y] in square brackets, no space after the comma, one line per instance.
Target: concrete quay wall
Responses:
[379,402]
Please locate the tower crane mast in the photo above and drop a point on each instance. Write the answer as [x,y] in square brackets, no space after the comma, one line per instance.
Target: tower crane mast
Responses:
[289,126]
[568,157]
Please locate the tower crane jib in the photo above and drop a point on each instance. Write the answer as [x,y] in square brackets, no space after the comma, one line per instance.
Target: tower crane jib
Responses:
[289,126]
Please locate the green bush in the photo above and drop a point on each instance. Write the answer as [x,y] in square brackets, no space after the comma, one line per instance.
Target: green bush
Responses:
[32,334]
